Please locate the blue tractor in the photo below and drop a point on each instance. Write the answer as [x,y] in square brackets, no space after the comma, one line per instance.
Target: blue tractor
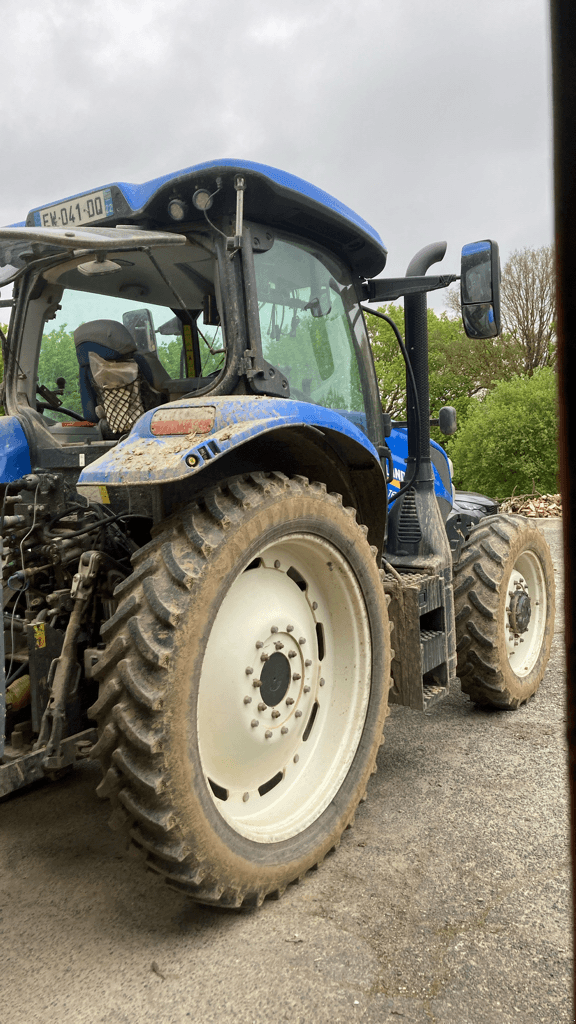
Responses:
[221,560]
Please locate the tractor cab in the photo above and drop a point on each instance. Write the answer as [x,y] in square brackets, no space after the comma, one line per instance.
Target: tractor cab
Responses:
[225,279]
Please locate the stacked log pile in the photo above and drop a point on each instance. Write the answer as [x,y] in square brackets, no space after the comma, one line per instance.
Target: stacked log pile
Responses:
[536,506]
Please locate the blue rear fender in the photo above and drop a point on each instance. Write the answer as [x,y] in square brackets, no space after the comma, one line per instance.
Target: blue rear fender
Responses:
[224,436]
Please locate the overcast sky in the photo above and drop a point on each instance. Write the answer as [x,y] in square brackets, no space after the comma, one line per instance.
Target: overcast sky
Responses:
[430,119]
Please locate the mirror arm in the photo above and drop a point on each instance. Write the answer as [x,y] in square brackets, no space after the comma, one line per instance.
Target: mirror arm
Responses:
[387,289]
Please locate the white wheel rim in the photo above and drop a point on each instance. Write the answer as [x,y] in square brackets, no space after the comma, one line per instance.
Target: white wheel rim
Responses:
[272,779]
[526,582]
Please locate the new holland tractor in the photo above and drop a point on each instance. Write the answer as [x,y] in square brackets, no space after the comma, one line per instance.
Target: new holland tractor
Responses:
[221,559]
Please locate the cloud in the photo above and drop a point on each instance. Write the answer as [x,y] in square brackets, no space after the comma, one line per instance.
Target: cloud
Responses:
[431,120]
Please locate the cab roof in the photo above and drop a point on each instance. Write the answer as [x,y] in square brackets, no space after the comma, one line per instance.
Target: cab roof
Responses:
[272,197]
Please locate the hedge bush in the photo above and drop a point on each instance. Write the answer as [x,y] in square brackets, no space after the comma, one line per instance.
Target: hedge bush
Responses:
[509,441]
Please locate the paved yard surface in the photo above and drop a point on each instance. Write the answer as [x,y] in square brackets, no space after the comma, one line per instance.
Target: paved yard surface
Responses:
[448,902]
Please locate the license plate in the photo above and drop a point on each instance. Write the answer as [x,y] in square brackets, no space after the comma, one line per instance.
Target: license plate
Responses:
[74,212]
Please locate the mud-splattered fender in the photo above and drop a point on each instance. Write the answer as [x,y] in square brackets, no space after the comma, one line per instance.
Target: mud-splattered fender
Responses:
[297,437]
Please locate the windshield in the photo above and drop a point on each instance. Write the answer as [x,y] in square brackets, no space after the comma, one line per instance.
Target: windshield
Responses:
[155,319]
[59,356]
[312,328]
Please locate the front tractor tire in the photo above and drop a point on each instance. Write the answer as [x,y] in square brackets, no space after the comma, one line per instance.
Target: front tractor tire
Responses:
[504,603]
[243,689]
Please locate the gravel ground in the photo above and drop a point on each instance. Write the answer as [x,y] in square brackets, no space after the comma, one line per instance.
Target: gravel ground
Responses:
[447,903]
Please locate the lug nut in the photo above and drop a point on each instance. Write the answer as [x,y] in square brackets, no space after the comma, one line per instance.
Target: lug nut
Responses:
[289,701]
[268,734]
[274,629]
[284,730]
[296,758]
[306,689]
[254,723]
[322,681]
[262,706]
[314,605]
[259,644]
[297,714]
[291,654]
[302,640]
[275,714]
[289,629]
[278,645]
[296,676]
[307,663]
[247,700]
[249,671]
[264,656]
[277,564]
[256,682]
[245,797]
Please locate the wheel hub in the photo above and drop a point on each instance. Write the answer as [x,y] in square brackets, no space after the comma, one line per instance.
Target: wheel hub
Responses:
[520,611]
[275,679]
[285,685]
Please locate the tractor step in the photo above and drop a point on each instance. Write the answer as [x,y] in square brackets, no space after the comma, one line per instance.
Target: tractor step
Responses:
[420,675]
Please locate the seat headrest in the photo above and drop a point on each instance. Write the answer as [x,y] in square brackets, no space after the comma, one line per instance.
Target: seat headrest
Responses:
[109,333]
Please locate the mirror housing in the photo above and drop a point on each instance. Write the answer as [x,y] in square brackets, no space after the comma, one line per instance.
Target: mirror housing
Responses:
[480,289]
[447,420]
[141,326]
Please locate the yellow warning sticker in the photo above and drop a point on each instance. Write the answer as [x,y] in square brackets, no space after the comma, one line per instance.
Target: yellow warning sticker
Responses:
[104,496]
[189,350]
[40,634]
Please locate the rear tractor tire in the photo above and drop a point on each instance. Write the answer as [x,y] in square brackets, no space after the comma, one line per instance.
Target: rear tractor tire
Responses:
[504,603]
[244,688]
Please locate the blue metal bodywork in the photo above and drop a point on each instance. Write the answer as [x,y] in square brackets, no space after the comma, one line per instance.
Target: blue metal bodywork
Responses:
[272,196]
[138,195]
[398,444]
[14,450]
[144,458]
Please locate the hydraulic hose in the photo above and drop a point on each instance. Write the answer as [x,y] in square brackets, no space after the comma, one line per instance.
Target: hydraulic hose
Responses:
[409,373]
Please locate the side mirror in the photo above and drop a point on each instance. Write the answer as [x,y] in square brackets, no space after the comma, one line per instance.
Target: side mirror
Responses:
[141,326]
[480,289]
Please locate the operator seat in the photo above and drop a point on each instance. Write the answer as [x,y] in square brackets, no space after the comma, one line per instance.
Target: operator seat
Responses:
[111,341]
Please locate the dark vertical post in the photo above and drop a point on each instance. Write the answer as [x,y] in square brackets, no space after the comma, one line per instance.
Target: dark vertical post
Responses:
[564,93]
[416,330]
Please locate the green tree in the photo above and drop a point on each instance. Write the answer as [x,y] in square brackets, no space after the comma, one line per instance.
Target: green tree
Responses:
[58,359]
[509,440]
[460,367]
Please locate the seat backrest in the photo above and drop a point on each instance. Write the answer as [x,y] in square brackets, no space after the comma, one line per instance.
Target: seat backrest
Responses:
[108,339]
